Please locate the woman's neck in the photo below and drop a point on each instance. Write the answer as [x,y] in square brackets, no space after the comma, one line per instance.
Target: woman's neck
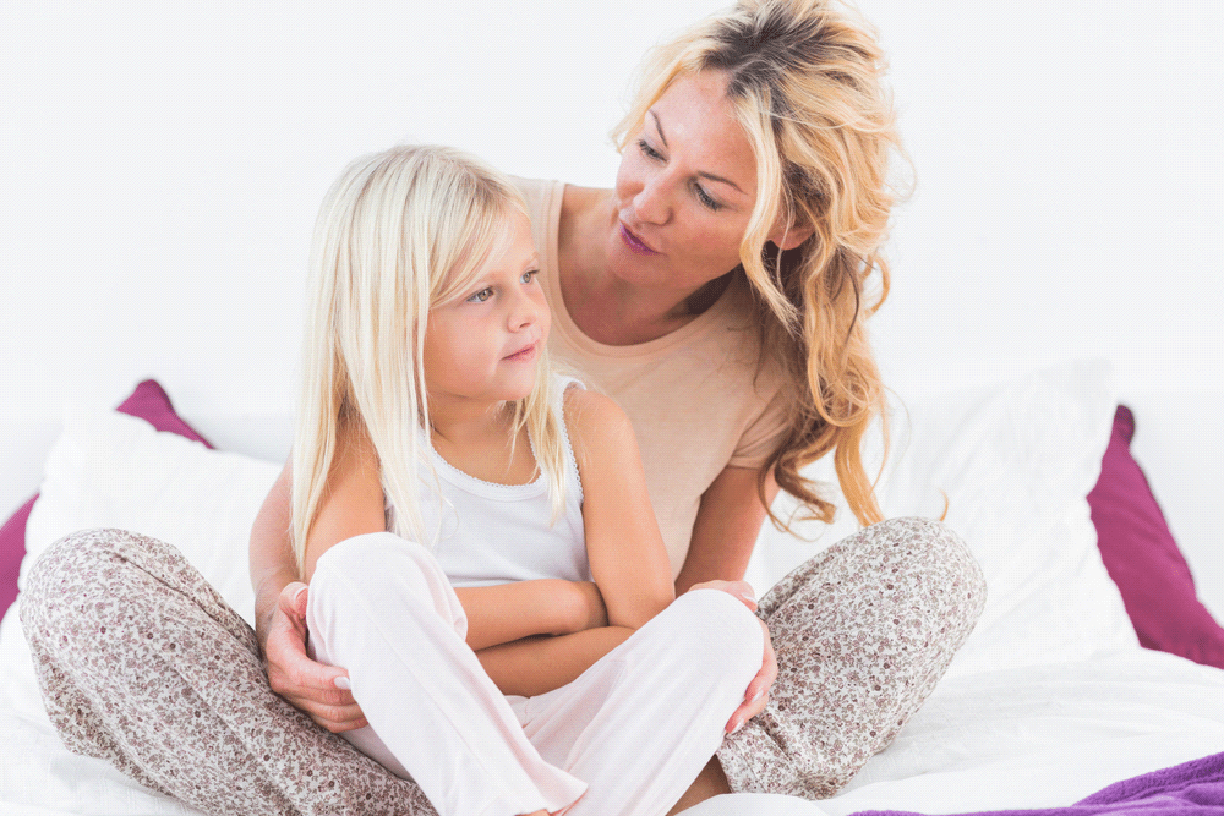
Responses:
[605,306]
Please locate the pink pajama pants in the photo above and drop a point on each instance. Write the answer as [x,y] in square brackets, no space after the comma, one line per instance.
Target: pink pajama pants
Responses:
[143,664]
[627,737]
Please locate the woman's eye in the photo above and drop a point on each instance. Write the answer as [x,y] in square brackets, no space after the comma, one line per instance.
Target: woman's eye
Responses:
[529,275]
[648,151]
[481,296]
[706,199]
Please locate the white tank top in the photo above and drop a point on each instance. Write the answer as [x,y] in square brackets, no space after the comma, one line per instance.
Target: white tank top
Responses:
[486,533]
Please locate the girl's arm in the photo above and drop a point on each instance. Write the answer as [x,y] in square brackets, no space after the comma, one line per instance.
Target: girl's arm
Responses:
[628,559]
[281,600]
[728,523]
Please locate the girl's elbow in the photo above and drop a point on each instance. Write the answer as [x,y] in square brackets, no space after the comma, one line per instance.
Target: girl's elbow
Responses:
[640,613]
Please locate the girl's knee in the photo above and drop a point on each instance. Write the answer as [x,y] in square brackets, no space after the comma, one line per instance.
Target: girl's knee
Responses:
[370,559]
[381,571]
[718,635]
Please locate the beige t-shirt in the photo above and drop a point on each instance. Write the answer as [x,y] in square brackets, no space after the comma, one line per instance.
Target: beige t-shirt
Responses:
[697,398]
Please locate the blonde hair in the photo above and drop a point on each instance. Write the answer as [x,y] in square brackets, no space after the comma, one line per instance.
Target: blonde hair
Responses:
[398,233]
[804,79]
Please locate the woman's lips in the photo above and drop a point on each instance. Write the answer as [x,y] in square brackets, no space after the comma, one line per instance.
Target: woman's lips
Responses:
[635,243]
[522,355]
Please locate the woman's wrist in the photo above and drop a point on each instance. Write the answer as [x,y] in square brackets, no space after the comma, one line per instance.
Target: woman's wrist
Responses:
[267,600]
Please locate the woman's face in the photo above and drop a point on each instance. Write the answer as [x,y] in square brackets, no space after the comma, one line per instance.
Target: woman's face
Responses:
[685,190]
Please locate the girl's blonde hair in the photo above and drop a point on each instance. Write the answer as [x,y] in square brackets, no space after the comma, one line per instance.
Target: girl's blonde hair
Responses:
[398,233]
[804,79]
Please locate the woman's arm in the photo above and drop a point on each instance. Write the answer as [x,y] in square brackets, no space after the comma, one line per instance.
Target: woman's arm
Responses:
[280,620]
[728,523]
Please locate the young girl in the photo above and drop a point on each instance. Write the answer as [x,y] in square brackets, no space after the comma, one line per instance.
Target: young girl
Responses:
[452,497]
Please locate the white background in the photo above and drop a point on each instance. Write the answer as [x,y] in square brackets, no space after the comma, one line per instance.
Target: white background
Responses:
[160,166]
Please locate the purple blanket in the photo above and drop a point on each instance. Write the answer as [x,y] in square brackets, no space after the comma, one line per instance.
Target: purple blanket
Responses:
[1194,788]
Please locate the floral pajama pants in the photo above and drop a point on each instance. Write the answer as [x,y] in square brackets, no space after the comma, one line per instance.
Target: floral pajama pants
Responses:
[143,664]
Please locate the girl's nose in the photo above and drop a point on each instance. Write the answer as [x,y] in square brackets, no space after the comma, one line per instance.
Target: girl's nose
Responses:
[524,313]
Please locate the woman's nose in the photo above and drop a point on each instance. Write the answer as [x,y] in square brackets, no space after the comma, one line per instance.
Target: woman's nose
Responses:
[652,204]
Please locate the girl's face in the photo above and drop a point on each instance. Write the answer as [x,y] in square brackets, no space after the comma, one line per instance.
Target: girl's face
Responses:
[685,190]
[483,346]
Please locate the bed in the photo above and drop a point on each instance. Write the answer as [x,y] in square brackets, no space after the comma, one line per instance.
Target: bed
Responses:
[1052,698]
[1051,327]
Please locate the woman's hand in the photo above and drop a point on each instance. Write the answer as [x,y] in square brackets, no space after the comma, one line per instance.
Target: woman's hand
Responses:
[757,693]
[320,691]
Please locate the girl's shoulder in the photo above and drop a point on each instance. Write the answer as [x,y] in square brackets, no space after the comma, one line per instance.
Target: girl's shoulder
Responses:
[599,428]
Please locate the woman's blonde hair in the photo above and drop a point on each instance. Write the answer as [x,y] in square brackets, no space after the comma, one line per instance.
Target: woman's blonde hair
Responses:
[804,79]
[398,233]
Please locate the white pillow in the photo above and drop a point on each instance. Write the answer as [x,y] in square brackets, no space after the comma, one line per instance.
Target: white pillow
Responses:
[111,470]
[1016,463]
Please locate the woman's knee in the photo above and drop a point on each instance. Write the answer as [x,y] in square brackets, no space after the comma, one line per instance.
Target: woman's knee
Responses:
[81,568]
[931,571]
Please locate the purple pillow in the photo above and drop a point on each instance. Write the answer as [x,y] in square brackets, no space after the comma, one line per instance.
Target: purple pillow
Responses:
[1143,559]
[149,402]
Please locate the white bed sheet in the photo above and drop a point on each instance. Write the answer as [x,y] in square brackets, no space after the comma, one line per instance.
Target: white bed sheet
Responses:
[1050,699]
[1038,736]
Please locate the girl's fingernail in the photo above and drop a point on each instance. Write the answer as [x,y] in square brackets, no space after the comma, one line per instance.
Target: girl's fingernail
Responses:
[343,683]
[738,725]
[760,693]
[297,596]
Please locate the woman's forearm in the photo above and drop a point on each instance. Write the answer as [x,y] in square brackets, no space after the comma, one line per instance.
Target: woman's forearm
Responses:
[536,665]
[726,529]
[272,563]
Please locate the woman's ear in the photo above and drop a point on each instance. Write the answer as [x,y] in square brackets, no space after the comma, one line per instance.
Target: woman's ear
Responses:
[790,237]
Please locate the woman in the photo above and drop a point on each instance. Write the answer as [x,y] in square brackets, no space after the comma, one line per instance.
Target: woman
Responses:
[719,293]
[749,210]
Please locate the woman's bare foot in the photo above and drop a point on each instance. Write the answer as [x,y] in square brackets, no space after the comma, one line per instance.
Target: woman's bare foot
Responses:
[710,782]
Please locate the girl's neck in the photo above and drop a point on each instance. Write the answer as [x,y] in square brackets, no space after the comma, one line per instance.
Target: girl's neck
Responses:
[481,441]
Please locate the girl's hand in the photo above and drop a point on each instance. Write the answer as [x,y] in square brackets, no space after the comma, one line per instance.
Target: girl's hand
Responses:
[757,693]
[320,691]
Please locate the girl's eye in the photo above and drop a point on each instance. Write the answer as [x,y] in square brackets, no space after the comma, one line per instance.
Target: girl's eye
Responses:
[649,151]
[481,296]
[529,275]
[707,200]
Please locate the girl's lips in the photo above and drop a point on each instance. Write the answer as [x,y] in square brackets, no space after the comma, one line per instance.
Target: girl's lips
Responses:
[522,355]
[635,243]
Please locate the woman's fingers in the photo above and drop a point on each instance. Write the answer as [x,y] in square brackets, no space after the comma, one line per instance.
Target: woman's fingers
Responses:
[757,693]
[320,691]
[740,590]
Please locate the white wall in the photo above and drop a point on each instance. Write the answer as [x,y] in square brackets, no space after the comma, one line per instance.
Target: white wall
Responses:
[161,164]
